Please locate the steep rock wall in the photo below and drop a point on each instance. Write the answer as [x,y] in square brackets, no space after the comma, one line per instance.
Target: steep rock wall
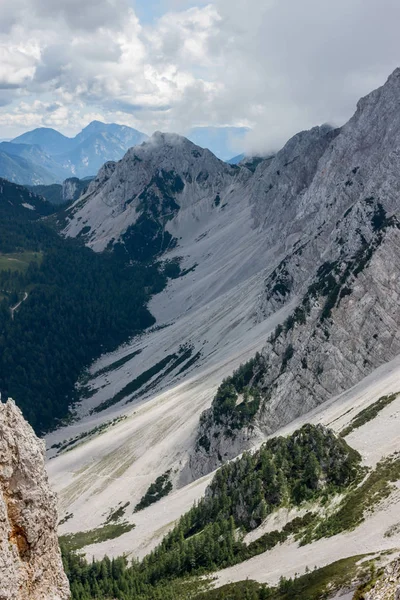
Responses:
[30,560]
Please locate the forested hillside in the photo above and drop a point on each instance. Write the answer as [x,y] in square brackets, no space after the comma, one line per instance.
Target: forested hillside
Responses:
[310,464]
[74,305]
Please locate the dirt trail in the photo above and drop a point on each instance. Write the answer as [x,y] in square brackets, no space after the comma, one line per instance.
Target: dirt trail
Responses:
[14,308]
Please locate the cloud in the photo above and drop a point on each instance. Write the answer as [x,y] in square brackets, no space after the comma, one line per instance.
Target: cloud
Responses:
[277,66]
[87,15]
[17,66]
[297,64]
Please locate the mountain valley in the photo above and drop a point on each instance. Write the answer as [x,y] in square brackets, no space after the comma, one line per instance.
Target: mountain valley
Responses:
[226,344]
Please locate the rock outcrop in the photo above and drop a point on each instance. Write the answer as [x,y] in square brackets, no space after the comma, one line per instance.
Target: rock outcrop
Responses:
[388,585]
[30,560]
[73,188]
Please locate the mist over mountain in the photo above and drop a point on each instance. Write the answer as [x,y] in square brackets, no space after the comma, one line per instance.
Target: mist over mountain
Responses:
[224,142]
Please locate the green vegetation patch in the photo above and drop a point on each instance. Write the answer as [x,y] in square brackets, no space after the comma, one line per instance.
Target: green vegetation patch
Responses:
[116,364]
[72,314]
[359,501]
[316,585]
[369,413]
[76,541]
[19,261]
[117,514]
[309,464]
[227,408]
[157,490]
[52,193]
[116,579]
[172,361]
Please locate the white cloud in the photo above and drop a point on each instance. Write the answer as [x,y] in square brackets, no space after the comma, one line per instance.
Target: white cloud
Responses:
[275,65]
[17,65]
[288,65]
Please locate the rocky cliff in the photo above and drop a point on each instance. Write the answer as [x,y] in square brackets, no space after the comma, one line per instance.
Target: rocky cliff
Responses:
[338,214]
[73,188]
[30,561]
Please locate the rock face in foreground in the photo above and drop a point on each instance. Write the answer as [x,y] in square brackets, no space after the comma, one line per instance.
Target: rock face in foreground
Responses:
[388,586]
[30,560]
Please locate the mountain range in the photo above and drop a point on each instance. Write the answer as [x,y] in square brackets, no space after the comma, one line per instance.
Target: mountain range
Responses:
[45,156]
[60,157]
[231,353]
[22,163]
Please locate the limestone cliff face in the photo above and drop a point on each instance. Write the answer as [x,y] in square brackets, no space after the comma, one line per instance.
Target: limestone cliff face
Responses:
[30,560]
[340,220]
[73,188]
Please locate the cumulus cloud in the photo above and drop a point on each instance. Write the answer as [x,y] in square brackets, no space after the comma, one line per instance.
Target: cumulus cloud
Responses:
[276,66]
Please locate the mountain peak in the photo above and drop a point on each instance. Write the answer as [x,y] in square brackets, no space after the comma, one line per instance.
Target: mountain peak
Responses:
[395,75]
[161,177]
[94,126]
[96,122]
[174,143]
[387,94]
[168,138]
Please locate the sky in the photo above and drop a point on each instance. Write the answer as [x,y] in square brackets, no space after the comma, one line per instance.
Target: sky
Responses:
[274,66]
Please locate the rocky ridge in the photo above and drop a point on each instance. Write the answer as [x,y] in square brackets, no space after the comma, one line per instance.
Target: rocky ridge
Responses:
[73,188]
[343,242]
[150,185]
[30,560]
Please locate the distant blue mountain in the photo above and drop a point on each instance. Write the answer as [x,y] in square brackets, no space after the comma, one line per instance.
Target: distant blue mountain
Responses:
[96,144]
[83,155]
[51,157]
[222,141]
[38,157]
[51,141]
[126,135]
[18,169]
